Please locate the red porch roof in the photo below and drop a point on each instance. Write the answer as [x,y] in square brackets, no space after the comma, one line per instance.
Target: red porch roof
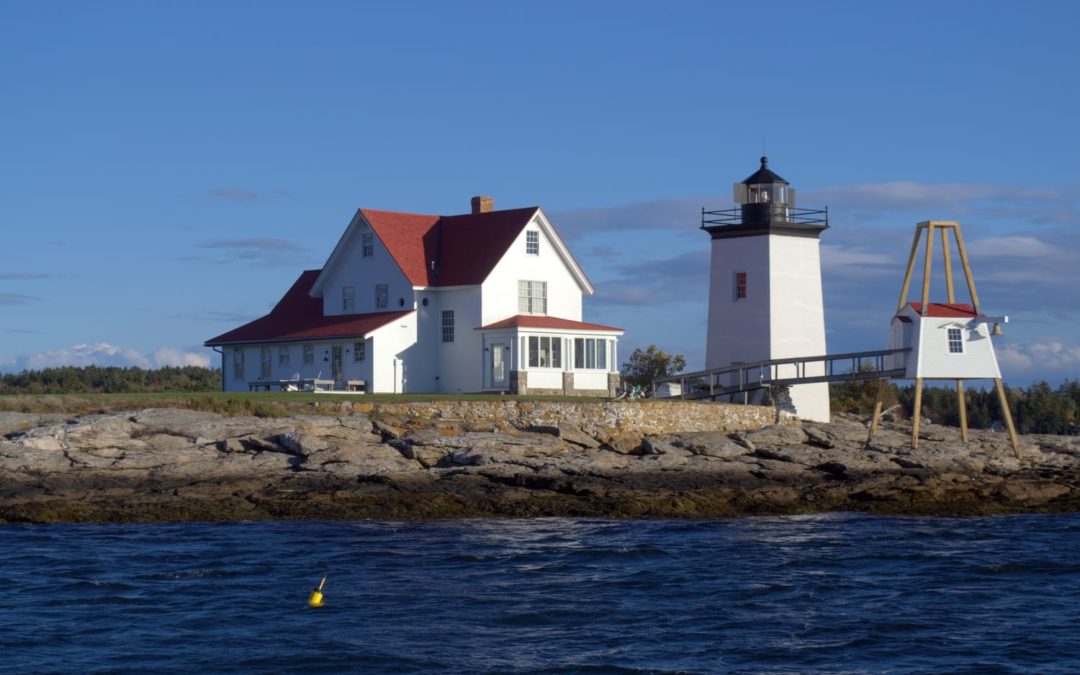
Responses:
[533,321]
[298,316]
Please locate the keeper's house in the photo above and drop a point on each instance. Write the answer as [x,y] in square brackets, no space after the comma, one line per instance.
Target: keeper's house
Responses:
[484,301]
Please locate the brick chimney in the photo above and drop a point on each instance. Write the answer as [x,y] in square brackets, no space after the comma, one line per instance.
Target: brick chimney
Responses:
[483,204]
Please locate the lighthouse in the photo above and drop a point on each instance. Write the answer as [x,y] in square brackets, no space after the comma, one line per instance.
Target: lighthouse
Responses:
[765,299]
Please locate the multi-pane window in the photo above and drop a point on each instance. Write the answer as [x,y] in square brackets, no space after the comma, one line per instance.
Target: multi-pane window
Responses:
[532,297]
[309,354]
[264,362]
[448,325]
[532,242]
[590,353]
[238,363]
[283,355]
[740,285]
[545,352]
[367,244]
[348,299]
[359,351]
[382,291]
[956,341]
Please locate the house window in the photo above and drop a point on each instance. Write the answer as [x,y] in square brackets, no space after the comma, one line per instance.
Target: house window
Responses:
[956,341]
[545,352]
[532,297]
[309,354]
[264,362]
[382,291]
[590,354]
[367,244]
[283,355]
[532,242]
[740,285]
[348,299]
[448,326]
[238,364]
[359,351]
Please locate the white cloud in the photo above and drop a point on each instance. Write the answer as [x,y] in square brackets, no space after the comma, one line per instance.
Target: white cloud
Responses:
[1012,247]
[1040,357]
[105,354]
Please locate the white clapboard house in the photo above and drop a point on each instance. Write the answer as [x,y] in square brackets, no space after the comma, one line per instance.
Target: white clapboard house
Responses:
[484,301]
[947,341]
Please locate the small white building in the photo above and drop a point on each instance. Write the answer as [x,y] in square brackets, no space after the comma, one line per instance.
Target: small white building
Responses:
[949,342]
[484,301]
[765,298]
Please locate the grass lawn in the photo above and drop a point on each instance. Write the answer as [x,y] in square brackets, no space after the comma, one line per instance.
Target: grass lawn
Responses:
[260,404]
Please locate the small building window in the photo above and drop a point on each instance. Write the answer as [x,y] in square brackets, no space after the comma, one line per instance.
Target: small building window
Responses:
[359,351]
[740,285]
[382,292]
[590,354]
[448,325]
[532,297]
[532,242]
[283,355]
[367,244]
[309,354]
[348,299]
[264,362]
[545,352]
[238,364]
[956,341]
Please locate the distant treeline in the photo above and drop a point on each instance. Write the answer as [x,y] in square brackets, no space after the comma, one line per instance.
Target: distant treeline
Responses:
[1039,409]
[110,380]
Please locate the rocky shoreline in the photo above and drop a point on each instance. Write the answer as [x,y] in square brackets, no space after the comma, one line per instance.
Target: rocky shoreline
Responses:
[174,465]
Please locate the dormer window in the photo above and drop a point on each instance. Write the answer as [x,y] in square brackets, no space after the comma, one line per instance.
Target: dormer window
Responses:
[532,242]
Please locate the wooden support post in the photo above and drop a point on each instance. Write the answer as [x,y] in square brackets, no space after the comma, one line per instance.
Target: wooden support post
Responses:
[926,269]
[910,268]
[967,268]
[948,264]
[916,414]
[877,410]
[963,410]
[1008,415]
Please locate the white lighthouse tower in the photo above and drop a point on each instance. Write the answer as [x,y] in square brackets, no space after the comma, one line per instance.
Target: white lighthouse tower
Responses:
[765,299]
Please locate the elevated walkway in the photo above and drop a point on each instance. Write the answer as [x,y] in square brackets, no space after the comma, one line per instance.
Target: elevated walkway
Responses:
[739,378]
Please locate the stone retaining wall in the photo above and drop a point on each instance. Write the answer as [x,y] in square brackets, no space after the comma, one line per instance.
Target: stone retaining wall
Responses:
[598,419]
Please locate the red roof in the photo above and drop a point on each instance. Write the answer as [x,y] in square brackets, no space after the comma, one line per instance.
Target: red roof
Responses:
[464,248]
[298,316]
[533,321]
[941,309]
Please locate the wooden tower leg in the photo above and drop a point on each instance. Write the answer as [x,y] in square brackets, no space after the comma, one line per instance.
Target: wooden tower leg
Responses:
[916,413]
[910,268]
[877,410]
[926,270]
[1008,415]
[962,401]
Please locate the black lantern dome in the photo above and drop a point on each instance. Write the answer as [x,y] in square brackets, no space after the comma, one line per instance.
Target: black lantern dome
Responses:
[766,205]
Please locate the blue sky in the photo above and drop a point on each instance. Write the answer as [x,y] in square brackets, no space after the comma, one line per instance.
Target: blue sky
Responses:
[167,169]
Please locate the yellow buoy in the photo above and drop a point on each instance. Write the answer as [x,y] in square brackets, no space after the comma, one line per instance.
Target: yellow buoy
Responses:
[316,595]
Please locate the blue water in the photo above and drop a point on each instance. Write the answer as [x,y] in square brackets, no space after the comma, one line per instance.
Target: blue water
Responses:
[833,593]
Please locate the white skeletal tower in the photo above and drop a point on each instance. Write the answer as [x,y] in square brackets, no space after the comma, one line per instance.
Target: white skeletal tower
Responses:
[765,299]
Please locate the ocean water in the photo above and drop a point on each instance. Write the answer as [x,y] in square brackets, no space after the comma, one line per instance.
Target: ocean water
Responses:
[831,593]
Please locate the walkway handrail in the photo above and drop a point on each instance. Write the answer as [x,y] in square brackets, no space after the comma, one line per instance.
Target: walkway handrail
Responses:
[769,374]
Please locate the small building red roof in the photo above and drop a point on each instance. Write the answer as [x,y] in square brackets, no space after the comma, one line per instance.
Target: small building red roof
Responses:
[533,321]
[942,309]
[464,248]
[298,316]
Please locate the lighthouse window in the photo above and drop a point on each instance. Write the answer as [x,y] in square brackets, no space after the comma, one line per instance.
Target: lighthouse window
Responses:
[740,285]
[956,341]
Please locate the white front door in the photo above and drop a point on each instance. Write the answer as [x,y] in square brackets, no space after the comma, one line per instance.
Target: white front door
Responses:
[498,366]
